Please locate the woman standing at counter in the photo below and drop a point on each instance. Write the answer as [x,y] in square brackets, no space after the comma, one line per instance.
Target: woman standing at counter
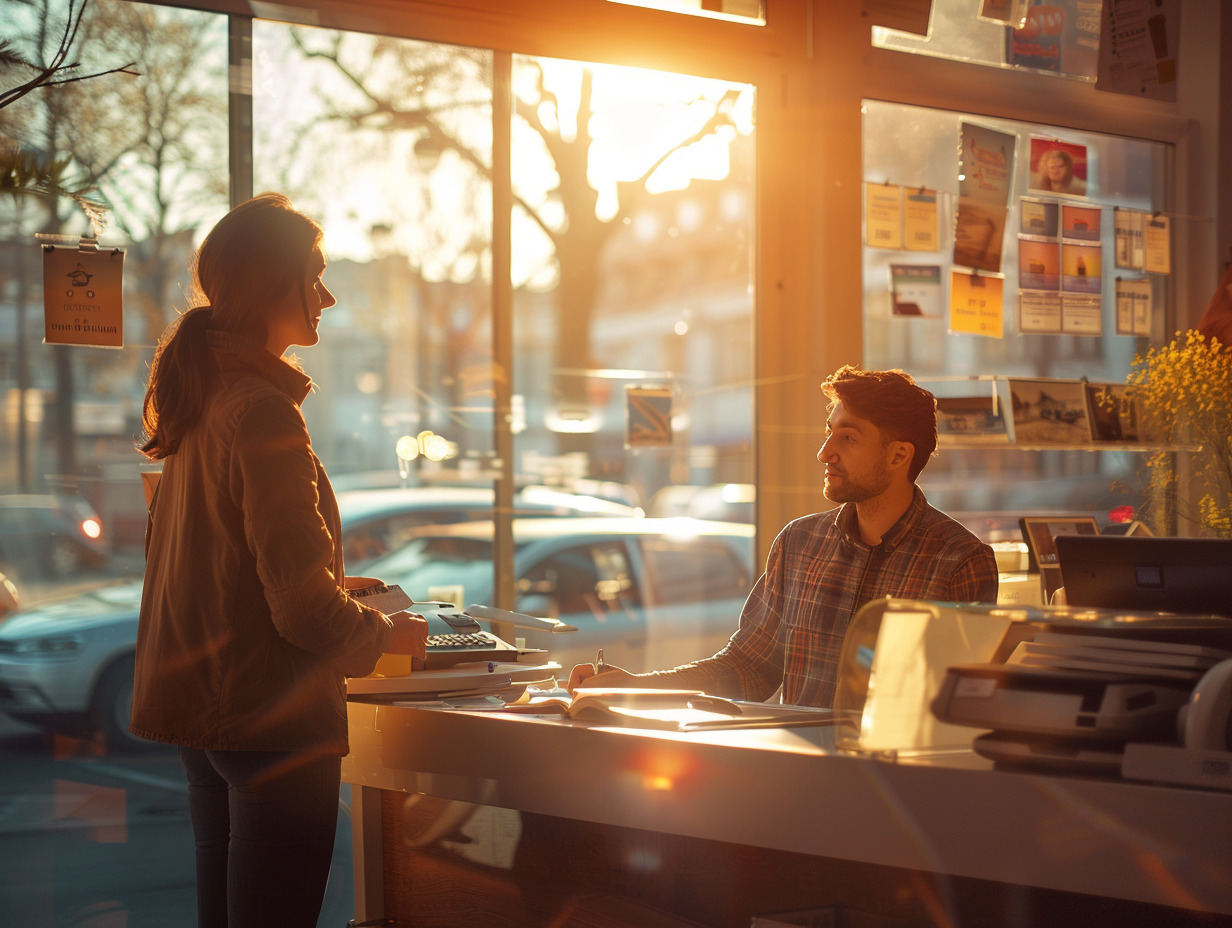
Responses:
[247,634]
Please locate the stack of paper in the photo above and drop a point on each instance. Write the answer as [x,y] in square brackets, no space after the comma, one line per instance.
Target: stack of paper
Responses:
[1148,659]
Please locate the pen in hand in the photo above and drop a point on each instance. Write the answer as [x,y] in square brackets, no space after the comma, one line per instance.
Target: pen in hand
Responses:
[598,664]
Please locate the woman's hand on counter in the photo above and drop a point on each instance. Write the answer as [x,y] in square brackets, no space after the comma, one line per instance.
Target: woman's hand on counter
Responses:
[410,634]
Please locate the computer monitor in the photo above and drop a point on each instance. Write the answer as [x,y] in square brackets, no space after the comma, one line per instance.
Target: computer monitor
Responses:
[1143,573]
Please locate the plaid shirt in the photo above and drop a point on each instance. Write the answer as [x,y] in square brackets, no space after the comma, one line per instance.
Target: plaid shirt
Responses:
[818,574]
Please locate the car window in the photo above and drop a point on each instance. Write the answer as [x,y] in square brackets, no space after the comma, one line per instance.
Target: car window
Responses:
[365,543]
[592,578]
[429,562]
[692,570]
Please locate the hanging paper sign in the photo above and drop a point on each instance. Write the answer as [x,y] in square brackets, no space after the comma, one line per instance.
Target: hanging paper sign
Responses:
[883,215]
[1129,227]
[1133,307]
[648,417]
[1157,245]
[83,301]
[975,304]
[921,230]
[986,169]
[1081,314]
[1039,312]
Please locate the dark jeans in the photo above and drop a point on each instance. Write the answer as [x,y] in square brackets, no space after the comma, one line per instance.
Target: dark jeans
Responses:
[264,826]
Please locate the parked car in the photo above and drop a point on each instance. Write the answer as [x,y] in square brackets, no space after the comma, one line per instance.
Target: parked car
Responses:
[68,665]
[49,535]
[378,521]
[652,593]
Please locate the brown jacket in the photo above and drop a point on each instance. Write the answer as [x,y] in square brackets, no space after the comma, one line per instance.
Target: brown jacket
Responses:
[246,636]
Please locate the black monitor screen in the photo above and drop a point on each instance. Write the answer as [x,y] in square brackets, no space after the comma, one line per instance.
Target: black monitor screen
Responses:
[1184,575]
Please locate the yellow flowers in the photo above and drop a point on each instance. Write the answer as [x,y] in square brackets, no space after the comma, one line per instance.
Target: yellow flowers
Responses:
[1184,393]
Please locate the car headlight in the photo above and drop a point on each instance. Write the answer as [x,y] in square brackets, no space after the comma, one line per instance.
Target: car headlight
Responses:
[50,648]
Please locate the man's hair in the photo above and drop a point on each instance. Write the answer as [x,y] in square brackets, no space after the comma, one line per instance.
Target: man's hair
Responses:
[900,408]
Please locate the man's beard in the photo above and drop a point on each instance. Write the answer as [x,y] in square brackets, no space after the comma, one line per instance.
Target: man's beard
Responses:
[849,490]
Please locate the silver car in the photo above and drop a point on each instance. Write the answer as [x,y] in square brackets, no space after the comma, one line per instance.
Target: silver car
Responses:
[68,665]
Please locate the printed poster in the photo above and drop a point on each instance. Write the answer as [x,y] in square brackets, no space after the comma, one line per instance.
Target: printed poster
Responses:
[1058,167]
[1039,312]
[1138,47]
[83,301]
[921,225]
[1082,314]
[986,170]
[976,304]
[1080,223]
[1082,268]
[1157,245]
[915,290]
[648,417]
[1039,217]
[1039,265]
[883,215]
[1133,307]
[1129,232]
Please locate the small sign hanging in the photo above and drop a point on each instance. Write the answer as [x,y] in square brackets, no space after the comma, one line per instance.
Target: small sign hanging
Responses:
[83,302]
[648,412]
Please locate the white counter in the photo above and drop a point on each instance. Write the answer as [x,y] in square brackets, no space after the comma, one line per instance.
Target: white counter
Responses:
[789,790]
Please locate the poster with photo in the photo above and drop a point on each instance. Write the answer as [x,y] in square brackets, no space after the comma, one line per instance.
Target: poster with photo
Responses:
[976,304]
[1113,412]
[1037,42]
[1129,231]
[1049,412]
[1058,167]
[966,419]
[1133,307]
[916,290]
[1080,223]
[1039,217]
[1039,312]
[1082,268]
[987,167]
[883,216]
[1039,265]
[1082,314]
[921,223]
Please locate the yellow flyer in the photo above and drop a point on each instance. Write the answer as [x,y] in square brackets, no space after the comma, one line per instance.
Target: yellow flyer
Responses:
[975,304]
[83,301]
[883,215]
[921,230]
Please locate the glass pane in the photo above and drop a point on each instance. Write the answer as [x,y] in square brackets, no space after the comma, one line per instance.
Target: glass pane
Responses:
[92,830]
[633,308]
[990,488]
[1059,38]
[71,413]
[387,143]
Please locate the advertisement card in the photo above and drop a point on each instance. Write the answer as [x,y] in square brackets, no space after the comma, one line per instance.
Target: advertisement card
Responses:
[83,300]
[1129,230]
[1039,265]
[1039,217]
[975,304]
[1080,223]
[1081,314]
[1050,412]
[1139,40]
[1157,245]
[648,417]
[922,231]
[987,166]
[1082,268]
[1039,312]
[915,290]
[1133,307]
[962,419]
[1037,44]
[1059,167]
[1114,413]
[883,215]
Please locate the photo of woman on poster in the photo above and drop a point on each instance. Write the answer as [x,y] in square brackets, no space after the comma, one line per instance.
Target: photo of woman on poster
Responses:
[1058,167]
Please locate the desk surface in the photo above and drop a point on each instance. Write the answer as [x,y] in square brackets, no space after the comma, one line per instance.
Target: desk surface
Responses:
[788,789]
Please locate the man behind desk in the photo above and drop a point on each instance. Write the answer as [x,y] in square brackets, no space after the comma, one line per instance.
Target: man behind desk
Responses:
[884,540]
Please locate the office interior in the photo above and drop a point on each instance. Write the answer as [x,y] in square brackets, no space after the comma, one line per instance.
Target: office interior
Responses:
[610,250]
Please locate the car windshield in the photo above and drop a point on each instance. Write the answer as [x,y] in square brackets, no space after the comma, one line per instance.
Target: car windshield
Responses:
[438,561]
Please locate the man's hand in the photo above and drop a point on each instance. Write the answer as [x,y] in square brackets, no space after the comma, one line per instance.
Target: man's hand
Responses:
[410,634]
[583,675]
